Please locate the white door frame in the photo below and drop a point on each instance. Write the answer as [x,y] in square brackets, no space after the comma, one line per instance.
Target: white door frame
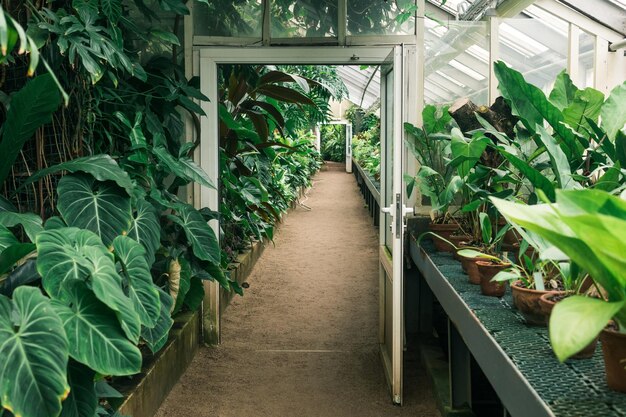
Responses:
[208,154]
[348,144]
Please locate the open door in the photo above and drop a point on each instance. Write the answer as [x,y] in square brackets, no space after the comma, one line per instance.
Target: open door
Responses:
[349,148]
[392,219]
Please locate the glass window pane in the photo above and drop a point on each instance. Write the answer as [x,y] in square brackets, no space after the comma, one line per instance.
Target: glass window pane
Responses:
[304,18]
[537,47]
[457,62]
[585,60]
[236,18]
[376,17]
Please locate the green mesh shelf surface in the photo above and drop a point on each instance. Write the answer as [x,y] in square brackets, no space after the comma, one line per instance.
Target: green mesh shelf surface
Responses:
[574,388]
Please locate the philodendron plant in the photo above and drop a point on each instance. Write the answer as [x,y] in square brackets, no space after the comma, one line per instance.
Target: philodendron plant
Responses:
[587,226]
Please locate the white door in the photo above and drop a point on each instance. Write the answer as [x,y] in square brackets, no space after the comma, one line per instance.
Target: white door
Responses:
[392,219]
[349,147]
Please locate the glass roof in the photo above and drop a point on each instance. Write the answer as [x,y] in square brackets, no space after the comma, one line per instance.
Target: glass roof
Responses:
[363,84]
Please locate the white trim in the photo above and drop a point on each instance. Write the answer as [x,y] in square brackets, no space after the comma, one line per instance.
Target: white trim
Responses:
[493,40]
[573,35]
[600,65]
[583,22]
[317,55]
[209,162]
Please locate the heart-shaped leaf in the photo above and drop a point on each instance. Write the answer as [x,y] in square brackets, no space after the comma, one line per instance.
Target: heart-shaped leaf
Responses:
[198,232]
[101,167]
[34,352]
[145,228]
[94,334]
[82,400]
[100,207]
[31,223]
[157,336]
[137,279]
[70,254]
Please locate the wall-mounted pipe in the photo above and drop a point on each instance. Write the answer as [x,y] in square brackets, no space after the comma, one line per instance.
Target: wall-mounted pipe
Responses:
[617,45]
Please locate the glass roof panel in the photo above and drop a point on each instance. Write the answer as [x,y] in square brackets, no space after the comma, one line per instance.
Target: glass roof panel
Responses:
[456,62]
[363,84]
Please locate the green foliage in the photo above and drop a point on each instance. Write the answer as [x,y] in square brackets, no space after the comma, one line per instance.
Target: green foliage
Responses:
[585,225]
[333,139]
[30,108]
[366,150]
[35,353]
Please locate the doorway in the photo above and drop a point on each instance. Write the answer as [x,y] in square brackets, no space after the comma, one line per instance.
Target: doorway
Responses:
[399,79]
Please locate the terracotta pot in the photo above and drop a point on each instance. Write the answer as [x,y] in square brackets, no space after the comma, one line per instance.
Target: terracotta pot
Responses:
[444,231]
[470,268]
[459,241]
[487,270]
[526,300]
[614,349]
[547,304]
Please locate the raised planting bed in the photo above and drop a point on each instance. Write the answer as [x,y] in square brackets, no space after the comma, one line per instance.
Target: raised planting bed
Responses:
[370,188]
[516,358]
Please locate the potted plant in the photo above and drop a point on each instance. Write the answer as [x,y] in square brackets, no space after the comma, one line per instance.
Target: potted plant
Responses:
[587,226]
[486,252]
[446,158]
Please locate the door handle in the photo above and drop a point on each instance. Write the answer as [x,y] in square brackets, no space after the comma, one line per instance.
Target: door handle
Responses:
[387,210]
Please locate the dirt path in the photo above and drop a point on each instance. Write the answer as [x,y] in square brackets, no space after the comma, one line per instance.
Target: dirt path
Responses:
[302,342]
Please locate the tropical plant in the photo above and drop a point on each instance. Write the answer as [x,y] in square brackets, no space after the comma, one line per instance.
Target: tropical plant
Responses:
[333,142]
[585,225]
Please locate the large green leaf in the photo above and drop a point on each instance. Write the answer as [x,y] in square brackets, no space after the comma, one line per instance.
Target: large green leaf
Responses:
[613,111]
[82,401]
[94,334]
[137,279]
[195,295]
[145,228]
[69,254]
[101,167]
[100,207]
[470,149]
[157,336]
[31,223]
[183,167]
[199,234]
[7,238]
[560,165]
[556,227]
[30,108]
[564,91]
[576,321]
[436,119]
[536,178]
[61,259]
[586,105]
[13,254]
[34,353]
[531,105]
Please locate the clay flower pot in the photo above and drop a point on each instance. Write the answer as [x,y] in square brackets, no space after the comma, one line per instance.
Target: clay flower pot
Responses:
[487,270]
[526,300]
[470,268]
[444,231]
[546,304]
[614,349]
[459,241]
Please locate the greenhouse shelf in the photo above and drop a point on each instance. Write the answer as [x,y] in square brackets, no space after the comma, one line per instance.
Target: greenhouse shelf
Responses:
[516,358]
